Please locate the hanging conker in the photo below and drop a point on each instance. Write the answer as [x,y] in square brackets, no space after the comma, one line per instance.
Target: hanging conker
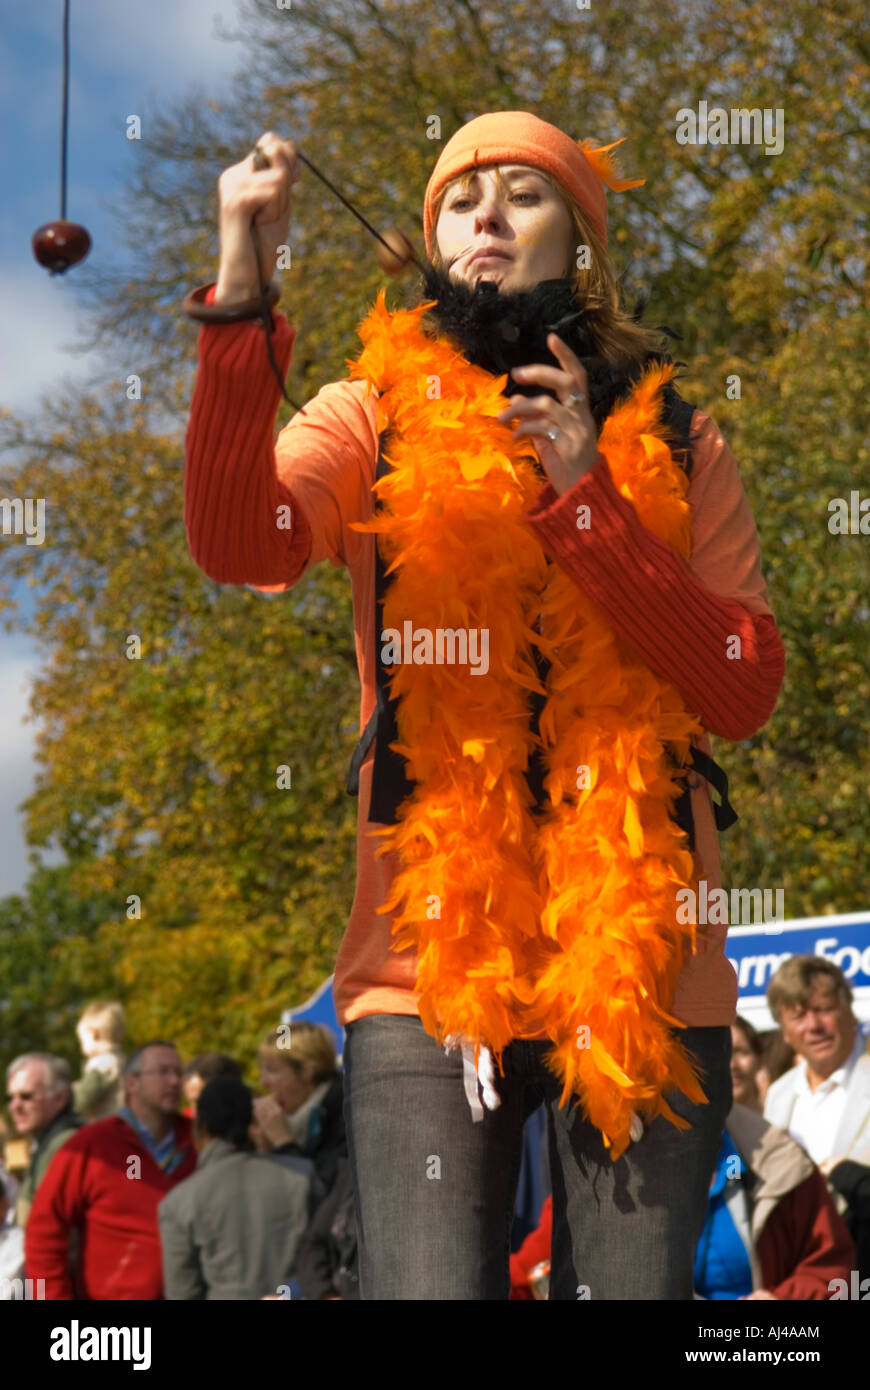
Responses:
[400,253]
[58,245]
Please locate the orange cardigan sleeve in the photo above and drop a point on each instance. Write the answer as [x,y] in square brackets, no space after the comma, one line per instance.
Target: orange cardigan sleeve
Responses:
[680,616]
[260,511]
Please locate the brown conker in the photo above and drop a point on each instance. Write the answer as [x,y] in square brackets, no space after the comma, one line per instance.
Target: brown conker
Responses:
[58,245]
[400,254]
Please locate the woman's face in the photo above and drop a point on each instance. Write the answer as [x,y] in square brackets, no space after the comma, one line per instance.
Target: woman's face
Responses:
[289,1085]
[744,1069]
[192,1087]
[525,228]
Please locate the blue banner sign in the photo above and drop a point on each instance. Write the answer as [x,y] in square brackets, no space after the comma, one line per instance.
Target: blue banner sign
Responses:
[319,1008]
[757,952]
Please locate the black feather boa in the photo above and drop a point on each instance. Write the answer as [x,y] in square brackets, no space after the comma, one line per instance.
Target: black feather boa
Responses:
[500,330]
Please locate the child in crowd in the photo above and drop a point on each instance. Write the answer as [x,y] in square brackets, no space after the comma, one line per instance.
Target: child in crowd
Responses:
[99,1090]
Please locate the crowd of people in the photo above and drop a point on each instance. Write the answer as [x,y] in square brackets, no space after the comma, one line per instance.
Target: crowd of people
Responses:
[788,1214]
[148,1177]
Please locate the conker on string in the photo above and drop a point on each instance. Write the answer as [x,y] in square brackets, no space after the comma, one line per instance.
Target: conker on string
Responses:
[58,245]
[399,254]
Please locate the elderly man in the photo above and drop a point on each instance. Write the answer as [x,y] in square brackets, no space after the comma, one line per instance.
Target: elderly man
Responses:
[106,1185]
[39,1097]
[824,1101]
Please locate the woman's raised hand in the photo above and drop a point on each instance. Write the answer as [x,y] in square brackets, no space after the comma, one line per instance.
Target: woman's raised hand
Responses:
[261,196]
[563,430]
[271,1121]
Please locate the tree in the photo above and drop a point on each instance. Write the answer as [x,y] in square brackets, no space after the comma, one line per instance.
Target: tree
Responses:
[160,768]
[47,937]
[159,774]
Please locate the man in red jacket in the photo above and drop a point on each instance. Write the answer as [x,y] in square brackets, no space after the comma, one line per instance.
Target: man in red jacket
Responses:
[97,1203]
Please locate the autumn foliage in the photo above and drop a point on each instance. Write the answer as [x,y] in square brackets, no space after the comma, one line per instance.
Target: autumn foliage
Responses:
[158,775]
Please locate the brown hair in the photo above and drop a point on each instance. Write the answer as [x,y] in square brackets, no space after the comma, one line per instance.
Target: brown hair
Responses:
[792,983]
[777,1057]
[208,1065]
[618,336]
[301,1043]
[753,1037]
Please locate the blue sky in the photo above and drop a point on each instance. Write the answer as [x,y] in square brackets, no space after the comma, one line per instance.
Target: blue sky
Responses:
[126,56]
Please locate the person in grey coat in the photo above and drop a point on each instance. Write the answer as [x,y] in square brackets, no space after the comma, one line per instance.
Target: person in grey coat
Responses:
[232,1230]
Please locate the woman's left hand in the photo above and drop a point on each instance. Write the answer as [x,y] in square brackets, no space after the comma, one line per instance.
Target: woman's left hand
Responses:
[575,447]
[270,1120]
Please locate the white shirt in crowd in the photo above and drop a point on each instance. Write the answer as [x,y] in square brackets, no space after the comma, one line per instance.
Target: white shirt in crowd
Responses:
[816,1115]
[11,1257]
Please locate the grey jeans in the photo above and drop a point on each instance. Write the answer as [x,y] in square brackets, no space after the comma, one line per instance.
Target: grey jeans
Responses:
[435,1191]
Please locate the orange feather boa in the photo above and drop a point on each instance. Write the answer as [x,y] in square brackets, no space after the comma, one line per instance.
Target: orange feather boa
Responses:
[561,925]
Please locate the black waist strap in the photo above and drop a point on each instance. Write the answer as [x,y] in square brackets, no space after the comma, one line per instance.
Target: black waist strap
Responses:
[390,785]
[359,753]
[711,771]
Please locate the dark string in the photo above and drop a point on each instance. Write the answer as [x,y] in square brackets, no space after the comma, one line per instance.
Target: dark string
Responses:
[261,162]
[266,312]
[64,108]
[351,208]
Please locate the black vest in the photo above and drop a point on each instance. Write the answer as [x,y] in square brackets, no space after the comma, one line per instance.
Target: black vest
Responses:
[390,784]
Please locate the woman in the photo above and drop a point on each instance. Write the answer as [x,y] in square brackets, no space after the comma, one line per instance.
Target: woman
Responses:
[328,1256]
[301,1114]
[547,652]
[201,1069]
[747,1061]
[757,1060]
[777,1057]
[772,1230]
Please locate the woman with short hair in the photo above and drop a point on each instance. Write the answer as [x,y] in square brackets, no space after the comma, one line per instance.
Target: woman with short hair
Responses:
[301,1113]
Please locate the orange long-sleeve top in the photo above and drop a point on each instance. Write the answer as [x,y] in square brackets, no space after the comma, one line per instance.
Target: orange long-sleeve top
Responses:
[680,616]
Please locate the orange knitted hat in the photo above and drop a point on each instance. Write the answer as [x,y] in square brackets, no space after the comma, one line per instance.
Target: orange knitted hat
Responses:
[518,137]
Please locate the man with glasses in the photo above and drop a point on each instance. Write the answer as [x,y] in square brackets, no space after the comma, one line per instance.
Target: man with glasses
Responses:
[103,1190]
[39,1097]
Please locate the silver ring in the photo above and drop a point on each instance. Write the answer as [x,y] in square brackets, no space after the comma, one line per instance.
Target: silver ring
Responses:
[577,399]
[553,435]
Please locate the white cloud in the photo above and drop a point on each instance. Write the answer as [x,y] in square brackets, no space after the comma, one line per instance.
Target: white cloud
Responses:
[17,670]
[17,771]
[39,329]
[140,49]
[119,50]
[160,42]
[125,55]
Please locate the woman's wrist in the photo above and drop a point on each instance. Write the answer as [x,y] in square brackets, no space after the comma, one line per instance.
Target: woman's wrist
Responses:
[200,304]
[226,292]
